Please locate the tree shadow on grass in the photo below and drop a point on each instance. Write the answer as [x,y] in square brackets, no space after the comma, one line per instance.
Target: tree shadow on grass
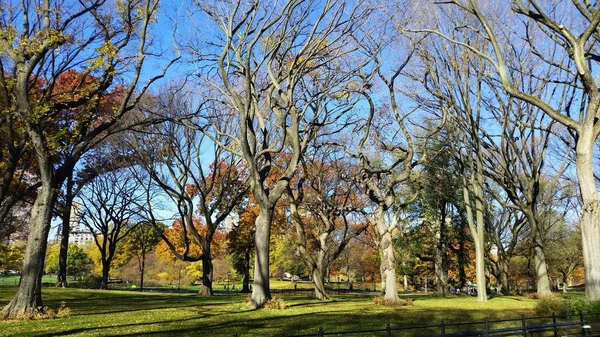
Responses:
[80,330]
[103,305]
[309,323]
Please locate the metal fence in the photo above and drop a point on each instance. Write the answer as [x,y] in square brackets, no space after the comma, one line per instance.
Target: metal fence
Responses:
[486,327]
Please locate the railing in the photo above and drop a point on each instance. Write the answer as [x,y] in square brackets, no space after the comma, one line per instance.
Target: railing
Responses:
[485,327]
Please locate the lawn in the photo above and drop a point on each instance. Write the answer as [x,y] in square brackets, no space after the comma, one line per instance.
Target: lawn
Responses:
[121,313]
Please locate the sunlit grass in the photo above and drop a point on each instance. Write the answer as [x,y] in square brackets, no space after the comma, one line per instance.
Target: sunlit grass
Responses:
[118,313]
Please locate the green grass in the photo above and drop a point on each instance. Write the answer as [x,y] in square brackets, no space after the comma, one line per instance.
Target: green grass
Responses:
[6,280]
[119,313]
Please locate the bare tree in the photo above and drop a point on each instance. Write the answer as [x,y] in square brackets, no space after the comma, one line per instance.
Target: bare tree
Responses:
[185,176]
[564,39]
[278,69]
[322,213]
[387,154]
[506,231]
[516,161]
[455,81]
[111,208]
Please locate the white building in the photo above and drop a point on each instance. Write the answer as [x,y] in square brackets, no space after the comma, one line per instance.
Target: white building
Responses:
[81,238]
[78,235]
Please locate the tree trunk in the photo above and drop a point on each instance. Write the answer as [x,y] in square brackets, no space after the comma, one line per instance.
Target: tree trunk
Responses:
[260,290]
[318,280]
[541,270]
[246,278]
[142,270]
[207,272]
[539,257]
[28,300]
[590,218]
[441,272]
[462,255]
[105,272]
[503,266]
[405,286]
[388,258]
[474,185]
[480,270]
[64,238]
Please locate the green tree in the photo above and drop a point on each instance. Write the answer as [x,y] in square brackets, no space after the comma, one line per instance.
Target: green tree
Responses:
[141,240]
[11,256]
[79,263]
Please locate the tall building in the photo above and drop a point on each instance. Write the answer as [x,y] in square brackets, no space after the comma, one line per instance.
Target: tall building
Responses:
[79,235]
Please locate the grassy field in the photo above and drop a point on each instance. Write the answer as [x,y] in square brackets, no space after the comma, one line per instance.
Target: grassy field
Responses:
[120,313]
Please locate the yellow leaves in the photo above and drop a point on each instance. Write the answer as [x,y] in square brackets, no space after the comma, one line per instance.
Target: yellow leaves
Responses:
[43,40]
[105,53]
[9,34]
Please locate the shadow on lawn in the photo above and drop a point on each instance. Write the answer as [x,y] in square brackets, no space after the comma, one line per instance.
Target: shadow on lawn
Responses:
[103,305]
[80,330]
[310,323]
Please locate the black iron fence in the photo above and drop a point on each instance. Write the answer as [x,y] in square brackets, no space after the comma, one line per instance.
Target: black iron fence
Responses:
[522,326]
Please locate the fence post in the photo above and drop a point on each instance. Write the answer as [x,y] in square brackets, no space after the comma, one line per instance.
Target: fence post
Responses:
[555,328]
[524,325]
[388,330]
[581,320]
[487,325]
[321,331]
[443,326]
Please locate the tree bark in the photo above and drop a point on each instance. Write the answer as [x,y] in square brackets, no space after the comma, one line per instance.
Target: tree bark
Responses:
[539,257]
[28,300]
[105,272]
[590,219]
[142,270]
[388,258]
[246,278]
[207,272]
[477,227]
[64,238]
[261,292]
[441,272]
[505,286]
[318,280]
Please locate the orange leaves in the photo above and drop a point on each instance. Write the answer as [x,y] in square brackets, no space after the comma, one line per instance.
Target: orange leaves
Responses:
[175,235]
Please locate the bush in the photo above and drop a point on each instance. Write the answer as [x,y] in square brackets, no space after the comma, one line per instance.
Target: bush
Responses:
[551,304]
[275,304]
[538,296]
[583,306]
[380,300]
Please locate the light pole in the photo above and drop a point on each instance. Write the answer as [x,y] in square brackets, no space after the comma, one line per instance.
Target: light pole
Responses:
[228,275]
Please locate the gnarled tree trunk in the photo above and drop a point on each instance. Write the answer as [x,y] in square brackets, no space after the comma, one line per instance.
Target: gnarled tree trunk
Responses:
[388,258]
[207,272]
[261,292]
[28,299]
[590,218]
[318,280]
